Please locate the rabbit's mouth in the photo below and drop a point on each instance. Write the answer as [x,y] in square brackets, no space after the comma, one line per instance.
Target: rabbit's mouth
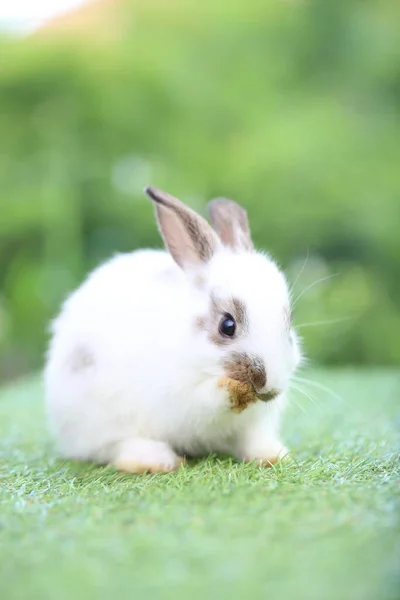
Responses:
[242,395]
[268,396]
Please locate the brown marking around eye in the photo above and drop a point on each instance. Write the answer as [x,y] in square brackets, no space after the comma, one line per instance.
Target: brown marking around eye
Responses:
[231,306]
[80,359]
[240,313]
[219,307]
[246,369]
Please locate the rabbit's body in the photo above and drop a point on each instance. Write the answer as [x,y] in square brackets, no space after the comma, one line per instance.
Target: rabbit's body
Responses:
[135,361]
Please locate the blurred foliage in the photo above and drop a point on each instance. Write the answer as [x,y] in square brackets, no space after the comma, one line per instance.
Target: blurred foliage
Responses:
[291,108]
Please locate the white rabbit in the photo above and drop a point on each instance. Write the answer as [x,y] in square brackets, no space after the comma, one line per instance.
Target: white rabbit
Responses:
[160,355]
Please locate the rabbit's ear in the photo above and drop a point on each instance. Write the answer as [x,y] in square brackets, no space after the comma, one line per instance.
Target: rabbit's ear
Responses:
[230,221]
[187,236]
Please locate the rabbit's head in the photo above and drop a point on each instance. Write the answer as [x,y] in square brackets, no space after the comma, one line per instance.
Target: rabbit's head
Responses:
[241,303]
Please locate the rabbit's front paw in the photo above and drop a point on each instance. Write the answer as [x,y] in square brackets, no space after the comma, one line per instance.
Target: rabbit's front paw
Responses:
[146,456]
[266,456]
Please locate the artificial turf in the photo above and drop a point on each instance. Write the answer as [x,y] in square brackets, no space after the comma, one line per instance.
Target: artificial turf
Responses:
[324,526]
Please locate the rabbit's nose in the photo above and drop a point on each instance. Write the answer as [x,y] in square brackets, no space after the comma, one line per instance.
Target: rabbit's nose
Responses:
[247,369]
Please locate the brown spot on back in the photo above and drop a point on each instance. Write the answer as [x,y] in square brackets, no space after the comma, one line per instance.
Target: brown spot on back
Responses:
[81,358]
[247,369]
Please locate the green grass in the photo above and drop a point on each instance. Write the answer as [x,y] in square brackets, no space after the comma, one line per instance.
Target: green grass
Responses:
[324,527]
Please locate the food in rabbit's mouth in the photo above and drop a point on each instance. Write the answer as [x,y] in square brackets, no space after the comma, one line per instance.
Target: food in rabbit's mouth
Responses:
[240,394]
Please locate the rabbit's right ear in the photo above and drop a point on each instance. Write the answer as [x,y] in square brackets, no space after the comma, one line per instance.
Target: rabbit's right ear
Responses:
[187,236]
[230,221]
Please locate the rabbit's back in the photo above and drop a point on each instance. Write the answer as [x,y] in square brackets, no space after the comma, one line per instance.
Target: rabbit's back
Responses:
[115,351]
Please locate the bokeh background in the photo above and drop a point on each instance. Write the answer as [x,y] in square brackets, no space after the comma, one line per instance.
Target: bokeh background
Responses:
[289,107]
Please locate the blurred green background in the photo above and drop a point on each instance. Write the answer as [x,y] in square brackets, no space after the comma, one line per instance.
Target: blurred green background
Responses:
[289,107]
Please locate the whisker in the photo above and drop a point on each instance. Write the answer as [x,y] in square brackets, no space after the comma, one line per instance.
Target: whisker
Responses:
[300,273]
[299,405]
[309,287]
[327,322]
[307,394]
[318,386]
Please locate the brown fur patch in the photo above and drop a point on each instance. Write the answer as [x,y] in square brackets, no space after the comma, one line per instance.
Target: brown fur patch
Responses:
[240,394]
[247,369]
[81,358]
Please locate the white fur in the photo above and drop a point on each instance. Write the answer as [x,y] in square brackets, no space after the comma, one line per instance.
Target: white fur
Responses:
[147,386]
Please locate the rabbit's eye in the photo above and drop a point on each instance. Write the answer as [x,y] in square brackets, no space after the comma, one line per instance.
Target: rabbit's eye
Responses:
[227,326]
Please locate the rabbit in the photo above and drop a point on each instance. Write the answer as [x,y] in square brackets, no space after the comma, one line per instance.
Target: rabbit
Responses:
[166,354]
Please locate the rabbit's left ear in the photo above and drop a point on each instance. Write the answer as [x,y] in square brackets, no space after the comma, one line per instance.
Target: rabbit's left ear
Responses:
[230,221]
